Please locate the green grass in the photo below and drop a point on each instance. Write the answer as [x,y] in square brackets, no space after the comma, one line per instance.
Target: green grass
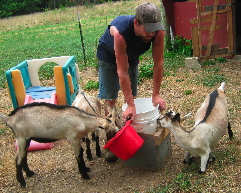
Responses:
[2,131]
[38,42]
[187,92]
[56,33]
[57,37]
[91,84]
[48,41]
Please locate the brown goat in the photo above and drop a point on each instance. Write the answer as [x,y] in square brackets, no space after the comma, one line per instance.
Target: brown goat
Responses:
[44,122]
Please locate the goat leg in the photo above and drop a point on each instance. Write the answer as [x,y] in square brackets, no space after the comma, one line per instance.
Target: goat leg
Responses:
[230,132]
[211,159]
[204,161]
[28,172]
[82,167]
[93,136]
[88,150]
[188,159]
[21,160]
[97,146]
[19,173]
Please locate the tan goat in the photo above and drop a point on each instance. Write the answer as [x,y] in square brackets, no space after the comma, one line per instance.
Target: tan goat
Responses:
[90,105]
[211,122]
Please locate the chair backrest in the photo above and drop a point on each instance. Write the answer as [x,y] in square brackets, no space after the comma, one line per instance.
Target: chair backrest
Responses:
[66,81]
[25,75]
[71,70]
[18,81]
[35,64]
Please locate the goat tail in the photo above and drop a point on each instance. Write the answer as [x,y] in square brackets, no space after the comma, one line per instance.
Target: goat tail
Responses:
[222,86]
[3,117]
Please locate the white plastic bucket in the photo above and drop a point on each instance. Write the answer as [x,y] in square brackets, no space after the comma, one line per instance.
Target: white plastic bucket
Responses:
[146,115]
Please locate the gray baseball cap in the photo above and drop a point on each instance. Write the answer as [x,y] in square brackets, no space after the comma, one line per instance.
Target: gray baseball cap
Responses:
[150,17]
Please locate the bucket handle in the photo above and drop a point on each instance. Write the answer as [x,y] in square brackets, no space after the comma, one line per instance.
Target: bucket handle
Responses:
[148,121]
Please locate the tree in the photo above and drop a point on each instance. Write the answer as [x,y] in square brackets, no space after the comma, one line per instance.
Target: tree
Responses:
[19,7]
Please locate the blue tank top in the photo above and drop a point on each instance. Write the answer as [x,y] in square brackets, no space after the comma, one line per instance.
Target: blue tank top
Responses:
[135,46]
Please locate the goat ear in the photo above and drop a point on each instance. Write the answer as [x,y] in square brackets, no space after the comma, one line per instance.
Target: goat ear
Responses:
[105,125]
[176,118]
[186,116]
[169,114]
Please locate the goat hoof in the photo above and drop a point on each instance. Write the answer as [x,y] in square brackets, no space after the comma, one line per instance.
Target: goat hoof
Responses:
[190,160]
[87,169]
[30,173]
[112,159]
[90,158]
[85,176]
[211,159]
[201,172]
[23,184]
[98,154]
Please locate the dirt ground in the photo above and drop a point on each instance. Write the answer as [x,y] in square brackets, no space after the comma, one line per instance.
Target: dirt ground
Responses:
[57,171]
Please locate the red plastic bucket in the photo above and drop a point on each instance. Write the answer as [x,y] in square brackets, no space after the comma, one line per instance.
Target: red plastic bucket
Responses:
[125,143]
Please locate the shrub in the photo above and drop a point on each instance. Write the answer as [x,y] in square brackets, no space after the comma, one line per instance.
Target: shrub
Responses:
[145,71]
[91,84]
[178,45]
